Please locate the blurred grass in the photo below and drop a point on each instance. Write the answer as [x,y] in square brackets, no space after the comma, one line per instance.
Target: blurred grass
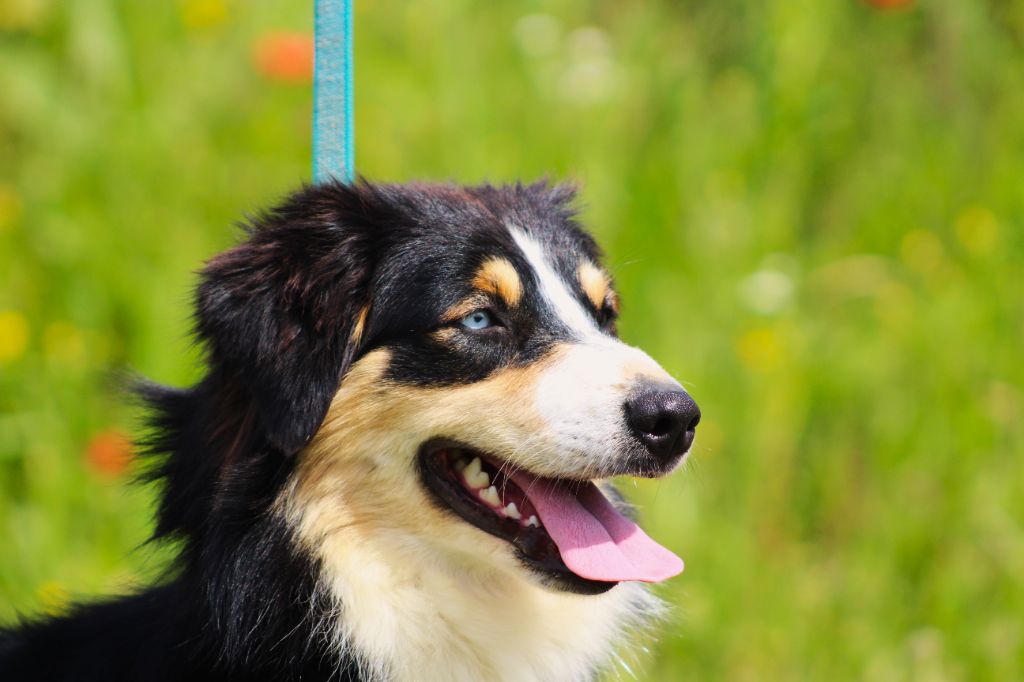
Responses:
[814,210]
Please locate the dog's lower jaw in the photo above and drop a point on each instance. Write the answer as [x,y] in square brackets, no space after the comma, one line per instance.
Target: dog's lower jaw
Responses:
[408,612]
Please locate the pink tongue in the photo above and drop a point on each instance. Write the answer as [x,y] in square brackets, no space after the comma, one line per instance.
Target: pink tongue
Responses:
[596,541]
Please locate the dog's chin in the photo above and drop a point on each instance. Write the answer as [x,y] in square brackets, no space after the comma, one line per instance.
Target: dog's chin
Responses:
[484,491]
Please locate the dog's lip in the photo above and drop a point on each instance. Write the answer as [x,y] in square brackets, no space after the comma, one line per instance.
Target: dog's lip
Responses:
[534,546]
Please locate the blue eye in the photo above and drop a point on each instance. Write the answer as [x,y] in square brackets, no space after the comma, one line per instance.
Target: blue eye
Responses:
[478,319]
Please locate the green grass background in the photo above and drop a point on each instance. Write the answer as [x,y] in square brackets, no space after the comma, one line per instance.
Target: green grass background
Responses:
[813,208]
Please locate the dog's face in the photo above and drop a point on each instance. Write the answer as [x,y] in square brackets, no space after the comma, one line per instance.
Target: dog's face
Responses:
[475,386]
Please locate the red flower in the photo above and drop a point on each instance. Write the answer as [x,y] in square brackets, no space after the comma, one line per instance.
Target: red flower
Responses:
[890,4]
[286,57]
[110,453]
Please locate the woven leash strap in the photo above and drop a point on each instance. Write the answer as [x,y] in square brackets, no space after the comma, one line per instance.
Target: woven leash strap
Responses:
[333,152]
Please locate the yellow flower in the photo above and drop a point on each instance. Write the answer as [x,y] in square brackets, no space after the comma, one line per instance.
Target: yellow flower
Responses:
[13,335]
[977,229]
[202,14]
[760,349]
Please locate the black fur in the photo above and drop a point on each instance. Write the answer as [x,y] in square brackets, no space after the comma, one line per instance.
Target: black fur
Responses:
[276,315]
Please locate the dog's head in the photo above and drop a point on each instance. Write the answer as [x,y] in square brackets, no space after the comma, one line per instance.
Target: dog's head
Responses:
[444,361]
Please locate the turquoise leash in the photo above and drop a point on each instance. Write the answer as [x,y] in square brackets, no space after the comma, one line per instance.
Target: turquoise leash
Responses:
[333,146]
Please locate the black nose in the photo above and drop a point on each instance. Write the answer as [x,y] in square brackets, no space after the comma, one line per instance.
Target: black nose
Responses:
[664,420]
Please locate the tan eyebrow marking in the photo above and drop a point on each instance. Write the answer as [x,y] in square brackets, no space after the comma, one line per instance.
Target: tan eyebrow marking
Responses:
[497,276]
[596,284]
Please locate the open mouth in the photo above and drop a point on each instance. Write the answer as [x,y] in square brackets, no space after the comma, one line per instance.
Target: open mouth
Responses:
[567,530]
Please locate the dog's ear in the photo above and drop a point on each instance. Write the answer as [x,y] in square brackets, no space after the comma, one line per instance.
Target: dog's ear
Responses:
[281,313]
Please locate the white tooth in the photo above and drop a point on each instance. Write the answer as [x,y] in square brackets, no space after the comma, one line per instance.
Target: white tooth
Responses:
[475,478]
[532,521]
[490,496]
[512,512]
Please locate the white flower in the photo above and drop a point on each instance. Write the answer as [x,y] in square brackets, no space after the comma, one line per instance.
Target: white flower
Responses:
[766,291]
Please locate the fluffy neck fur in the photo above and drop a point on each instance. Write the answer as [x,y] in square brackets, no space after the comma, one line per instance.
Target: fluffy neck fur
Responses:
[407,616]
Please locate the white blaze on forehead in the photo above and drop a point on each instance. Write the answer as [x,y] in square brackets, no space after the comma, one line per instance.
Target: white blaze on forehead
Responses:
[566,306]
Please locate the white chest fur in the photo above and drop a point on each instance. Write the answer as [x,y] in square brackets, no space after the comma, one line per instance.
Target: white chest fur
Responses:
[417,619]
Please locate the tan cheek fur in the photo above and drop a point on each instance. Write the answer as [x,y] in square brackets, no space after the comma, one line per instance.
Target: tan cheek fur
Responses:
[424,594]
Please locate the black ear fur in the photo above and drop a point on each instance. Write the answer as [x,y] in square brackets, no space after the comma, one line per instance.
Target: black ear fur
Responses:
[278,311]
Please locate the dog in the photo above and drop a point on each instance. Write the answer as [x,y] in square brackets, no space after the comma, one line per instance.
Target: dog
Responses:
[395,467]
